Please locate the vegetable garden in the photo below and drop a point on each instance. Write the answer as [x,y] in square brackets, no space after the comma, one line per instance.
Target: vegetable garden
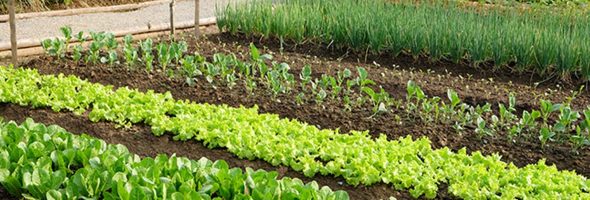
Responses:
[284,101]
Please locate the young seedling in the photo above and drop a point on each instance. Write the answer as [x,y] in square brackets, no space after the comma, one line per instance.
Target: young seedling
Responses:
[546,134]
[147,57]
[321,95]
[305,77]
[362,79]
[77,53]
[299,99]
[287,78]
[449,110]
[230,79]
[546,108]
[67,33]
[95,46]
[131,55]
[580,139]
[110,42]
[94,52]
[337,84]
[566,118]
[80,37]
[347,103]
[78,49]
[212,71]
[190,70]
[259,60]
[529,119]
[380,100]
[414,92]
[163,55]
[316,89]
[54,47]
[111,57]
[336,88]
[481,128]
[250,84]
[582,136]
[274,81]
[111,45]
[430,109]
[176,51]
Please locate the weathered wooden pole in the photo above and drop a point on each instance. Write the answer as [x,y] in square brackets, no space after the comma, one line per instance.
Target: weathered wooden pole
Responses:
[12,22]
[197,18]
[172,28]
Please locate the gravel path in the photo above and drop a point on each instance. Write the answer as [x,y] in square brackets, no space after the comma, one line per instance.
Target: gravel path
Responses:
[45,27]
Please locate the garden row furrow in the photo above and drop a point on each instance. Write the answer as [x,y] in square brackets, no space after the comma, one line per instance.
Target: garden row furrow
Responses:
[404,163]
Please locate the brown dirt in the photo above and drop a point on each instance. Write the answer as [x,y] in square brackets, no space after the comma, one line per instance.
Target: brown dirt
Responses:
[38,6]
[139,140]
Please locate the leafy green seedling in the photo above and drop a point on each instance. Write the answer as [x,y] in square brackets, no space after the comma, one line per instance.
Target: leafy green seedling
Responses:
[77,53]
[190,69]
[163,55]
[147,56]
[130,52]
[67,33]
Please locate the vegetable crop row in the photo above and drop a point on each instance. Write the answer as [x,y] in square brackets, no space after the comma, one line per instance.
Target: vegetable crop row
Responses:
[46,162]
[552,122]
[405,163]
[551,44]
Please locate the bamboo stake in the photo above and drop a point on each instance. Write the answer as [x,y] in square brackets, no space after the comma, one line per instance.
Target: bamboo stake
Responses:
[172,29]
[12,22]
[197,18]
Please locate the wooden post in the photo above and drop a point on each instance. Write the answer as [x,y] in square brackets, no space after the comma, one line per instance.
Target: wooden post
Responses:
[197,18]
[172,28]
[12,21]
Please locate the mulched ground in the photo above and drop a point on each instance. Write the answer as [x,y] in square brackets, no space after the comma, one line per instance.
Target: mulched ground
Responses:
[475,90]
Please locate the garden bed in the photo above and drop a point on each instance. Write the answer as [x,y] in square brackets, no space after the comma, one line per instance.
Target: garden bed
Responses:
[521,151]
[474,87]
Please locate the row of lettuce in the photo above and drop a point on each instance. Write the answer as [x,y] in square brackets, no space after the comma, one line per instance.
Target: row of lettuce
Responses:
[545,42]
[46,162]
[404,163]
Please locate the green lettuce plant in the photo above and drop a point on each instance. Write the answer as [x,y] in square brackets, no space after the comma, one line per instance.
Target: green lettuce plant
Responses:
[46,162]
